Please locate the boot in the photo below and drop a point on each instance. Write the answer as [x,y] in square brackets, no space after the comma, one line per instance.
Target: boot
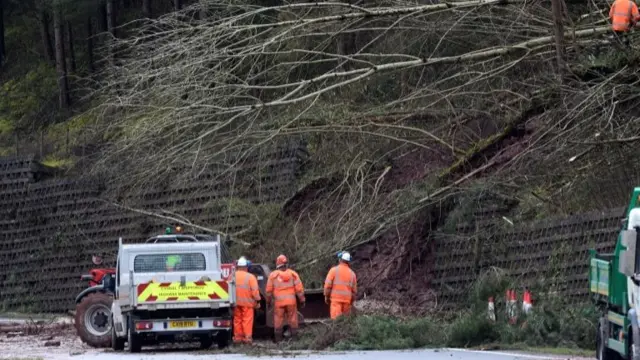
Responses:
[294,333]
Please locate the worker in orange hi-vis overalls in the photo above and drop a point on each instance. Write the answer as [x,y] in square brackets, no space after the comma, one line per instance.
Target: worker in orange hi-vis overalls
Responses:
[340,287]
[624,15]
[247,300]
[284,289]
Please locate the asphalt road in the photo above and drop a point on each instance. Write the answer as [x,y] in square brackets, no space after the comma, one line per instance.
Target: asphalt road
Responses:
[443,354]
[69,347]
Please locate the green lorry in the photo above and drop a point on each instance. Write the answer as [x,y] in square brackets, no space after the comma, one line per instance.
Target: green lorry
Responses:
[614,279]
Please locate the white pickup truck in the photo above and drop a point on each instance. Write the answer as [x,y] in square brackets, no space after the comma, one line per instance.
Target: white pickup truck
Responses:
[167,292]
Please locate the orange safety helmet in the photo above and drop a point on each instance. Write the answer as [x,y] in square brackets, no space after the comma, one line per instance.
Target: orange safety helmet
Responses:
[281,260]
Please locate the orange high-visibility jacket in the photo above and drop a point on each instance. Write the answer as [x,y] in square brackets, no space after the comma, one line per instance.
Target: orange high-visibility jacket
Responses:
[623,15]
[247,292]
[341,284]
[284,286]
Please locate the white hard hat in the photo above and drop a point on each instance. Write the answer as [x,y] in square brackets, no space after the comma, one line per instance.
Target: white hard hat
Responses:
[345,256]
[242,261]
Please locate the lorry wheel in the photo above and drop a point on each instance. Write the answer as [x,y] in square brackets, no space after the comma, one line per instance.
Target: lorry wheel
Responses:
[206,342]
[135,343]
[602,351]
[223,339]
[92,320]
[117,344]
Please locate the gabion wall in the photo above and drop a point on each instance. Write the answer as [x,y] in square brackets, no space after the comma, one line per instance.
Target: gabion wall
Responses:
[550,255]
[49,227]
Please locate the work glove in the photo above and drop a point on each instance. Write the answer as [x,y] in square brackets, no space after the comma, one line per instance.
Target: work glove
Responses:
[302,304]
[257,305]
[327,300]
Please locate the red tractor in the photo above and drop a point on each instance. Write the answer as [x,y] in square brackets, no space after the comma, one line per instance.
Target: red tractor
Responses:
[93,304]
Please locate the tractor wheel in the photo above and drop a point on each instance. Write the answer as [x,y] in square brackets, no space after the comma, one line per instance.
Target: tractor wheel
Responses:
[92,320]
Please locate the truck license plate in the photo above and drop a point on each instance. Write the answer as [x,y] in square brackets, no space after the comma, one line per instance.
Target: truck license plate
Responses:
[182,324]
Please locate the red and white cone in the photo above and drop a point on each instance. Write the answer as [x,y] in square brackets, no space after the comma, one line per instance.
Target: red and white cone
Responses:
[527,304]
[491,310]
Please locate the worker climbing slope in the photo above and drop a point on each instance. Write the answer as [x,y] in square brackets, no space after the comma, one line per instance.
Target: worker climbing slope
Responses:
[624,15]
[284,290]
[247,300]
[340,287]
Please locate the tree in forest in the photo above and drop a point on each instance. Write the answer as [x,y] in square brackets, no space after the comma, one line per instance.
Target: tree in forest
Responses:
[3,52]
[146,8]
[45,33]
[61,66]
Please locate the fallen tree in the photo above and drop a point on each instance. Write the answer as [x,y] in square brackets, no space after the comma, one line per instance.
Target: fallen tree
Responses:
[208,94]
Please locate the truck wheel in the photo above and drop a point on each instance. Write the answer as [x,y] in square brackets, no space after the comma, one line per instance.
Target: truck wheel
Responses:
[206,342]
[135,344]
[117,344]
[223,339]
[92,320]
[602,351]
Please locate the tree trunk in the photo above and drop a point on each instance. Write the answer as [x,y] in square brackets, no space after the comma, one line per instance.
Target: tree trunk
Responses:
[146,8]
[45,34]
[3,52]
[103,17]
[89,27]
[71,56]
[63,85]
[177,5]
[202,14]
[556,10]
[111,17]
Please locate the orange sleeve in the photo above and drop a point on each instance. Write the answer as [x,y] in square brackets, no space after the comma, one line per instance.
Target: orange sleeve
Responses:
[612,10]
[328,282]
[253,285]
[298,285]
[269,289]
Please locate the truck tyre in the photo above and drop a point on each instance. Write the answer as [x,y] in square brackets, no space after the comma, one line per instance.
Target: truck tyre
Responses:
[117,344]
[92,319]
[223,339]
[602,351]
[135,344]
[206,342]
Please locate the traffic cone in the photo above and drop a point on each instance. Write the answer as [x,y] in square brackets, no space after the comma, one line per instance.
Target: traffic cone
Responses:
[512,306]
[527,304]
[492,310]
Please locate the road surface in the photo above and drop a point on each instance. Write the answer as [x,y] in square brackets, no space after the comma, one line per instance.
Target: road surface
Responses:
[56,340]
[442,354]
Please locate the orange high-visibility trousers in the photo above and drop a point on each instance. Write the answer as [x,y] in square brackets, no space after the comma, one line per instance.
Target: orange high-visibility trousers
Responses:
[243,324]
[339,308]
[280,313]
